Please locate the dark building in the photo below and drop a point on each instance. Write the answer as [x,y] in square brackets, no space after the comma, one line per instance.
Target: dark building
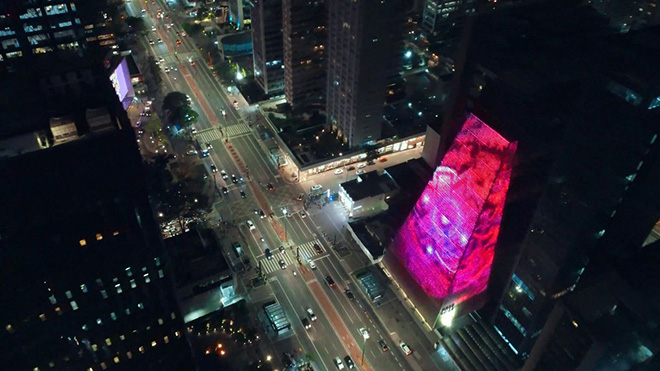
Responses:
[85,285]
[267,46]
[365,43]
[304,31]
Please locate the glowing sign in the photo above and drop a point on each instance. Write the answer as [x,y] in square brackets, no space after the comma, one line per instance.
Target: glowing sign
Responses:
[447,242]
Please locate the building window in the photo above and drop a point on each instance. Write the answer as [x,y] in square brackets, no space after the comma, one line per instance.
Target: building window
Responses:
[10,43]
[140,305]
[129,272]
[108,341]
[99,321]
[83,288]
[160,273]
[118,288]
[52,299]
[82,242]
[55,9]
[99,236]
[68,295]
[37,39]
[113,316]
[74,305]
[133,284]
[30,13]
[146,278]
[104,294]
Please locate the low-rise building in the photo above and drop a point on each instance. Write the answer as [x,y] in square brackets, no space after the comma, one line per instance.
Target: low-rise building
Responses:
[367,194]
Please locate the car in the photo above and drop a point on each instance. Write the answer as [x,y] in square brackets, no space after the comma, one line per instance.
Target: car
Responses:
[349,362]
[269,255]
[339,171]
[303,214]
[251,225]
[319,249]
[349,294]
[184,34]
[191,150]
[151,42]
[360,172]
[209,146]
[193,130]
[350,168]
[234,179]
[167,70]
[213,168]
[160,41]
[205,153]
[317,187]
[383,346]
[192,63]
[312,265]
[370,162]
[235,104]
[282,264]
[365,334]
[178,41]
[383,159]
[306,323]
[330,281]
[270,187]
[225,190]
[338,363]
[406,349]
[153,28]
[282,248]
[311,314]
[260,213]
[224,174]
[243,195]
[300,197]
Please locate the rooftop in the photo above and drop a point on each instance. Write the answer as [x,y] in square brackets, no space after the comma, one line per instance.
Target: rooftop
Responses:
[195,256]
[369,185]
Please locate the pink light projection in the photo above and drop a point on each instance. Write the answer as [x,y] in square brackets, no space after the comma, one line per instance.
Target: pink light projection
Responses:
[448,241]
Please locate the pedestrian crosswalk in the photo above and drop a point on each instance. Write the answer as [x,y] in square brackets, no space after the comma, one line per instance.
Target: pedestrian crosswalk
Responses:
[207,136]
[306,250]
[236,130]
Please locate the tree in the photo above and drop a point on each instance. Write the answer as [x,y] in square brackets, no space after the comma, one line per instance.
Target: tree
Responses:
[224,71]
[136,24]
[155,69]
[185,116]
[174,100]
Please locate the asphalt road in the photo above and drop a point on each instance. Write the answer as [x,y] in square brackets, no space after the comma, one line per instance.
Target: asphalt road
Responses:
[238,150]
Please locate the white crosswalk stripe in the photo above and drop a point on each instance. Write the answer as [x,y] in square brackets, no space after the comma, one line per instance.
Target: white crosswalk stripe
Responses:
[307,252]
[236,130]
[207,136]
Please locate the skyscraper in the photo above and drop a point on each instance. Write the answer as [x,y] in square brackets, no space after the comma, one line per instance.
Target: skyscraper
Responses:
[364,43]
[85,285]
[267,45]
[440,15]
[304,28]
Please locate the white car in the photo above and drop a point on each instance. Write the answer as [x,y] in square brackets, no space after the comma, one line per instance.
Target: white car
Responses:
[312,265]
[317,187]
[362,165]
[360,172]
[251,225]
[339,171]
[224,174]
[311,314]
[406,349]
[339,363]
[364,333]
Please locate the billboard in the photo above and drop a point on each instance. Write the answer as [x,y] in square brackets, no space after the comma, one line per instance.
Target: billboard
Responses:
[121,82]
[447,242]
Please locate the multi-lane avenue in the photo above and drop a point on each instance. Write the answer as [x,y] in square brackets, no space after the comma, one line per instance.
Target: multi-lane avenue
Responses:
[236,149]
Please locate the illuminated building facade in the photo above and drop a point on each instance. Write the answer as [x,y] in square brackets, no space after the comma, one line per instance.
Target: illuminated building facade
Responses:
[267,45]
[447,242]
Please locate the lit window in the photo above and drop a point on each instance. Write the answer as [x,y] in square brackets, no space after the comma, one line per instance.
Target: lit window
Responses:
[153,343]
[127,311]
[99,282]
[122,337]
[144,269]
[160,321]
[84,327]
[42,316]
[115,233]
[133,284]
[160,273]
[108,341]
[99,321]
[95,347]
[177,333]
[99,237]
[146,278]
[58,311]
[68,295]
[103,365]
[9,329]
[118,288]
[74,305]
[83,288]
[157,260]
[82,242]
[172,315]
[104,294]
[140,305]
[128,272]
[129,355]
[141,349]
[166,340]
[52,299]
[113,316]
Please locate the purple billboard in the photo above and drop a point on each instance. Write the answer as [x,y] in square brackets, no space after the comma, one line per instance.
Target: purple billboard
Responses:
[121,82]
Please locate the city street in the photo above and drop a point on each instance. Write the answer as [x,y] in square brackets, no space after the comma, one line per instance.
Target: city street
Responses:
[237,150]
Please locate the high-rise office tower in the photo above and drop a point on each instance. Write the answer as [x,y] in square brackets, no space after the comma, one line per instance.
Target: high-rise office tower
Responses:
[85,284]
[364,46]
[304,28]
[440,15]
[32,28]
[267,45]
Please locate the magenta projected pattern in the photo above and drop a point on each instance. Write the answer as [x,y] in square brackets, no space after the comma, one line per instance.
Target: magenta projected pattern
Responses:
[447,242]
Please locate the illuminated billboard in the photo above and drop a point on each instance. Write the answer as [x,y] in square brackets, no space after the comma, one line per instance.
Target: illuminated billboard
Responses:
[121,82]
[447,242]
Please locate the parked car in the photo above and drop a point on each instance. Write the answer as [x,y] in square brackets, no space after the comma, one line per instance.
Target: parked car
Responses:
[317,187]
[339,363]
[349,362]
[360,172]
[339,171]
[361,165]
[349,294]
[319,249]
[312,265]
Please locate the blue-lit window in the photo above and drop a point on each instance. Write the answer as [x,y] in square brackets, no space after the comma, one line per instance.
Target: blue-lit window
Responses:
[31,13]
[9,43]
[655,103]
[32,28]
[56,9]
[520,286]
[7,32]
